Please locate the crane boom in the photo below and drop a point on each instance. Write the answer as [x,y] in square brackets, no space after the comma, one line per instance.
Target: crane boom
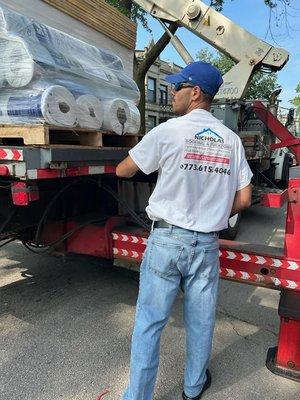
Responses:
[249,52]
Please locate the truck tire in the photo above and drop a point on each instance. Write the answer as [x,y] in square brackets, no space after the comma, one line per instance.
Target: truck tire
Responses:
[233,227]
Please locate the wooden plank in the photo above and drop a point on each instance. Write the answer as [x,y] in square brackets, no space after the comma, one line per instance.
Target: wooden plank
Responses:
[46,135]
[100,16]
[38,134]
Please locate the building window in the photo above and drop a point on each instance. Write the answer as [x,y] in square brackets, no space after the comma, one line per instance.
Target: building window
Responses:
[162,120]
[163,94]
[151,94]
[151,122]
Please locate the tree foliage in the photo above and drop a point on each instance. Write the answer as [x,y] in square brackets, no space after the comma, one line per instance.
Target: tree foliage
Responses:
[218,4]
[132,10]
[262,84]
[296,100]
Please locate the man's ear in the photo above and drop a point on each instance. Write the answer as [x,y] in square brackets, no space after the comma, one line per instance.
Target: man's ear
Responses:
[197,93]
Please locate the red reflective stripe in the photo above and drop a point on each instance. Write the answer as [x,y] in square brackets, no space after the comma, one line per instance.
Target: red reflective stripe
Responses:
[77,171]
[48,173]
[109,169]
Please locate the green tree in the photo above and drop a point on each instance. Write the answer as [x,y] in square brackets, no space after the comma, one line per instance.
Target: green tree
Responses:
[296,100]
[218,4]
[262,84]
[132,10]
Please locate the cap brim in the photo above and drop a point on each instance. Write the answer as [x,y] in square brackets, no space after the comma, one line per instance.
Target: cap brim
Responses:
[175,78]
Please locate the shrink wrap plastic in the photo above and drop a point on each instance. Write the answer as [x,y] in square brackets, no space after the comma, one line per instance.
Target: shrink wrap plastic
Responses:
[121,116]
[90,112]
[54,105]
[49,76]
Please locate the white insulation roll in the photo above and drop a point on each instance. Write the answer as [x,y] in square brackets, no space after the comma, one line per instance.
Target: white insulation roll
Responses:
[116,113]
[55,106]
[19,66]
[135,119]
[121,116]
[90,112]
[59,106]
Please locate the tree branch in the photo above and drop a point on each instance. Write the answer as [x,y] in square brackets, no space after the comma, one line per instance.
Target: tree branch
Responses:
[153,53]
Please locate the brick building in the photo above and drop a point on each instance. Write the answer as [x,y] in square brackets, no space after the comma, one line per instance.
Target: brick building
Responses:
[158,91]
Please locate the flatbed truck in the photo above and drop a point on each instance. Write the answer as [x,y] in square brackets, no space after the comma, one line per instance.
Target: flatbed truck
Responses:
[67,199]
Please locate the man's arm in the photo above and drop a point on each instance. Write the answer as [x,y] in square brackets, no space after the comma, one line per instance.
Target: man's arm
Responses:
[242,200]
[127,168]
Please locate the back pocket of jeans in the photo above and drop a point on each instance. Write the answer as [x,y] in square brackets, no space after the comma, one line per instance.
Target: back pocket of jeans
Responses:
[164,257]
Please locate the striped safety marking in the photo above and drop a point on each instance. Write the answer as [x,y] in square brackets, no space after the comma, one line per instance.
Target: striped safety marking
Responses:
[69,172]
[136,254]
[11,154]
[130,254]
[260,260]
[225,273]
[129,238]
[257,278]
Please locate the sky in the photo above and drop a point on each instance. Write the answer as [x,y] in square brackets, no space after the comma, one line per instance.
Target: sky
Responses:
[253,16]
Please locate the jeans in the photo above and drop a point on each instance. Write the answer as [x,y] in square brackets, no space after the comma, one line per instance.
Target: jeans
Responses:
[175,258]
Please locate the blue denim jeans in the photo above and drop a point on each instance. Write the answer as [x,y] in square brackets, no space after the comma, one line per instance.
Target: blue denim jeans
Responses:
[175,258]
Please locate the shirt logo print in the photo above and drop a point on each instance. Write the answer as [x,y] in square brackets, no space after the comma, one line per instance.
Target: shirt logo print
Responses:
[209,135]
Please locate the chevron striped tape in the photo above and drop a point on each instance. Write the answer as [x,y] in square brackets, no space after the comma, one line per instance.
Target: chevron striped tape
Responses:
[260,260]
[258,278]
[11,154]
[120,237]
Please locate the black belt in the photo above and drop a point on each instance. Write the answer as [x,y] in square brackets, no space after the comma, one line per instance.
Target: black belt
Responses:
[161,224]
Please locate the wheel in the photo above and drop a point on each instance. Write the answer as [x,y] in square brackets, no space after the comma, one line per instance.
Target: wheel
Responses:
[233,227]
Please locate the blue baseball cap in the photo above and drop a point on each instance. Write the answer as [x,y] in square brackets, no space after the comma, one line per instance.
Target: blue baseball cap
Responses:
[199,73]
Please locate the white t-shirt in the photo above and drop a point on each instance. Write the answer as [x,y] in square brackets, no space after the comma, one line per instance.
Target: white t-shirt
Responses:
[201,164]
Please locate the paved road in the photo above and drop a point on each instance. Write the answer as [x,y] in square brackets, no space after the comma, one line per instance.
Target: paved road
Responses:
[65,328]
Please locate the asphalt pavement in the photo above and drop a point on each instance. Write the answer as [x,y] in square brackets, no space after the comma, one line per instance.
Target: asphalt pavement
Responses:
[66,324]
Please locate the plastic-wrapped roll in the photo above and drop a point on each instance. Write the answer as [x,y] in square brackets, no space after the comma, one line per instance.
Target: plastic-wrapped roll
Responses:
[19,66]
[121,117]
[55,106]
[134,119]
[90,112]
[59,106]
[116,116]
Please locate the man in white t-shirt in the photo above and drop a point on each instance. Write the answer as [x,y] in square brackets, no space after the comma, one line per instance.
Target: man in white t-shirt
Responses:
[203,178]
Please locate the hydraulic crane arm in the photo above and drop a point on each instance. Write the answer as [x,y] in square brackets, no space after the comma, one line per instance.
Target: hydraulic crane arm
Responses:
[249,52]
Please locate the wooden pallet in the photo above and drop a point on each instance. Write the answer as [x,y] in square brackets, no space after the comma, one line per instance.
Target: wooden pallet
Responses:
[47,135]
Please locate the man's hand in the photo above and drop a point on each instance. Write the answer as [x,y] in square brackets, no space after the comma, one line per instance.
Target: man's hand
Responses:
[127,168]
[242,200]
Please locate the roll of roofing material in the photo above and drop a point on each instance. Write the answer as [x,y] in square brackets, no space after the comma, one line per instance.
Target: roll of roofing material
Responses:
[121,117]
[90,112]
[59,106]
[116,116]
[134,122]
[19,66]
[55,106]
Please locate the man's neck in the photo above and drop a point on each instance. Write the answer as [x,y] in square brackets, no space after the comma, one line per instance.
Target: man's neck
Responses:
[197,106]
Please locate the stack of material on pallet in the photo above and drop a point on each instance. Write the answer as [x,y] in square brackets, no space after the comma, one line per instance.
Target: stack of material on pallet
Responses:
[49,76]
